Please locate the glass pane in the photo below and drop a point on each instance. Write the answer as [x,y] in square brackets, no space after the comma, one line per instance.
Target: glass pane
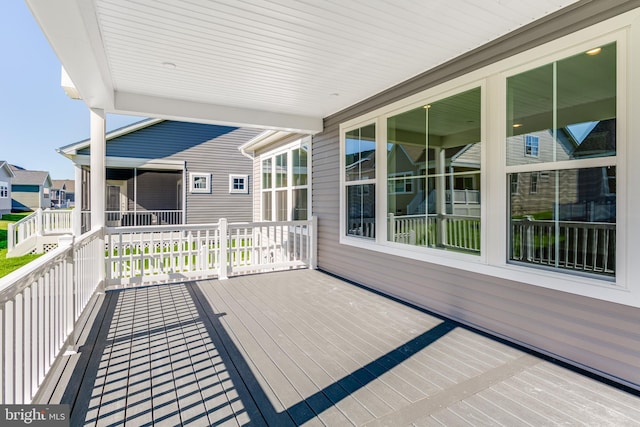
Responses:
[564,110]
[568,223]
[281,206]
[587,104]
[281,170]
[361,207]
[433,181]
[299,166]
[360,153]
[267,212]
[300,204]
[266,174]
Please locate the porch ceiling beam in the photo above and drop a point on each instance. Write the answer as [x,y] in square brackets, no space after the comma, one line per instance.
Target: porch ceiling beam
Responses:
[177,109]
[72,30]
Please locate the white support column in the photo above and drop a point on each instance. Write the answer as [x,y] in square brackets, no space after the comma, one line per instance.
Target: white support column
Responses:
[76,220]
[98,171]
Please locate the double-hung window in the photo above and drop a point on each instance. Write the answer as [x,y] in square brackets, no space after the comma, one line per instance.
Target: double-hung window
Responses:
[4,190]
[564,113]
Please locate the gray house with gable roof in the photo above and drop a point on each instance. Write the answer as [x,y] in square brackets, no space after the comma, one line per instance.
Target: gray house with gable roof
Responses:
[30,190]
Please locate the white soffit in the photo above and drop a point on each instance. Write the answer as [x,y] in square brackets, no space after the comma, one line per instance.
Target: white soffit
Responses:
[280,64]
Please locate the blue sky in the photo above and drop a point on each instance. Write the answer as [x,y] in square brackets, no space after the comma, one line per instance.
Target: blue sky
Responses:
[36,116]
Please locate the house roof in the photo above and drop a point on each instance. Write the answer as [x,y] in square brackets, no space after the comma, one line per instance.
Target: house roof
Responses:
[7,167]
[266,64]
[68,184]
[27,177]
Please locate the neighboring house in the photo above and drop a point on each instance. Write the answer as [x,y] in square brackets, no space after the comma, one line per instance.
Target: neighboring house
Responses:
[6,175]
[63,193]
[30,190]
[170,172]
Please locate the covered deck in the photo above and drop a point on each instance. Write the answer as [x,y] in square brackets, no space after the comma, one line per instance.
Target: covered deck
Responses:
[304,348]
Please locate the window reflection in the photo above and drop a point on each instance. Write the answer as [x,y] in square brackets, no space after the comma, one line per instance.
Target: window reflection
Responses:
[564,110]
[433,174]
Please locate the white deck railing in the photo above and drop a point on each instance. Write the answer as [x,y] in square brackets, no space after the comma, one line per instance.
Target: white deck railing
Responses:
[41,303]
[39,306]
[574,245]
[146,255]
[39,223]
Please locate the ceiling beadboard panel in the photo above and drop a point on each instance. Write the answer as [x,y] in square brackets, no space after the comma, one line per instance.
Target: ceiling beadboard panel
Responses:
[305,57]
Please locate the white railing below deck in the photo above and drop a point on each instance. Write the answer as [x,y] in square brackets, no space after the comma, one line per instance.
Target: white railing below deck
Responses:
[138,256]
[39,306]
[39,223]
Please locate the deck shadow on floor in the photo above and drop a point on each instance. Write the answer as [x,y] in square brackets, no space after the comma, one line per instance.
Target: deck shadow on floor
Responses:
[200,389]
[323,399]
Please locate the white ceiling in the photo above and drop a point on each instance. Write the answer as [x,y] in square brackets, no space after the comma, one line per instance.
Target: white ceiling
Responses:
[279,64]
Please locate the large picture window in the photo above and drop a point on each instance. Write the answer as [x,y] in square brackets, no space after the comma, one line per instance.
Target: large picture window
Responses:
[285,183]
[565,114]
[435,149]
[360,178]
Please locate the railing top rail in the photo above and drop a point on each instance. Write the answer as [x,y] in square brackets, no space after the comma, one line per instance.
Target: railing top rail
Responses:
[268,223]
[27,218]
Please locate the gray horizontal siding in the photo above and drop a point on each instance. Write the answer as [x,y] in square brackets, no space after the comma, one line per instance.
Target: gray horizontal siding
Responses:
[597,335]
[204,148]
[220,157]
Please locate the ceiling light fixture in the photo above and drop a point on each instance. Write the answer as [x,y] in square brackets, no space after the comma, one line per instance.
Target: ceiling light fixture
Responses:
[517,125]
[169,65]
[593,52]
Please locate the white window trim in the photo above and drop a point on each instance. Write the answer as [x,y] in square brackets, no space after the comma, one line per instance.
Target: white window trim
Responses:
[493,259]
[288,148]
[192,179]
[245,184]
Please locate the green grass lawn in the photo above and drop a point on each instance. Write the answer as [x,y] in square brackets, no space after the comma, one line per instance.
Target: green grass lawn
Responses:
[7,265]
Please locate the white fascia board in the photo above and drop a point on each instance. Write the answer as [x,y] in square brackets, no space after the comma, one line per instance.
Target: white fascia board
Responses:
[131,162]
[176,109]
[6,167]
[72,30]
[263,140]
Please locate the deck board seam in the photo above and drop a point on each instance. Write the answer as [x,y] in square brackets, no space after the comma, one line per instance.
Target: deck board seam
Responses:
[457,393]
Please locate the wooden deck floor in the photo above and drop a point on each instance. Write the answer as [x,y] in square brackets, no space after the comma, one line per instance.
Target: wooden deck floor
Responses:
[304,348]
